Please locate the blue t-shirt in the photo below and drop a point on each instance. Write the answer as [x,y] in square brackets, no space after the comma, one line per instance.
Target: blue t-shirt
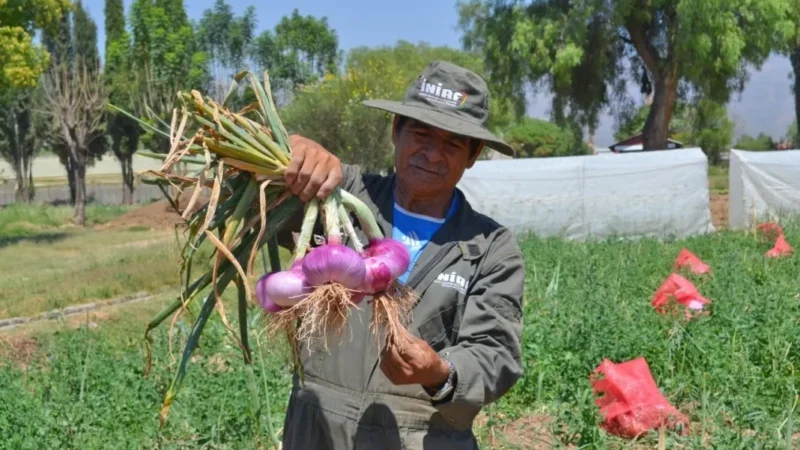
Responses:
[416,230]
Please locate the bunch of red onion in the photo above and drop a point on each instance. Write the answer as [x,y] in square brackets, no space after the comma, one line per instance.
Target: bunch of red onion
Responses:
[325,281]
[368,273]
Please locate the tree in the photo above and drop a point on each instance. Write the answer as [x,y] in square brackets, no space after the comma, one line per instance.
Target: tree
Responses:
[301,50]
[759,143]
[18,139]
[631,122]
[165,58]
[122,131]
[539,138]
[702,123]
[331,111]
[226,40]
[586,49]
[791,48]
[73,100]
[331,114]
[74,40]
[709,128]
[22,61]
[792,137]
[85,37]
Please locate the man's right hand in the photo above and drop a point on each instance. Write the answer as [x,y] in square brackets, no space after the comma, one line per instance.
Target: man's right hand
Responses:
[312,171]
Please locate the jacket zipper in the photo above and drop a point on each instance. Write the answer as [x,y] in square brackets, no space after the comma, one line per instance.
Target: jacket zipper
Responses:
[437,258]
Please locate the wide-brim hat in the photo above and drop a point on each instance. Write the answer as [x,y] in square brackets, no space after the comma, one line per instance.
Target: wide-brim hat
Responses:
[451,98]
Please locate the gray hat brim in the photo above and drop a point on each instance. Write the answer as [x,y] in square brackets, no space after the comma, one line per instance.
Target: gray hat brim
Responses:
[443,121]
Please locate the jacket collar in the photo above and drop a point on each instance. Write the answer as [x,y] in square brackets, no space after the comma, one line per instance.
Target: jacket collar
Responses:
[463,228]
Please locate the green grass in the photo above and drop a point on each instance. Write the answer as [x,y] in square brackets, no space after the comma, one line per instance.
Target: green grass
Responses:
[49,270]
[45,263]
[718,179]
[56,271]
[730,372]
[85,389]
[20,220]
[734,373]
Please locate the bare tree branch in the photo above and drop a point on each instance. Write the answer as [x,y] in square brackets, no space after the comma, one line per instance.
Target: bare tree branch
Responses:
[74,100]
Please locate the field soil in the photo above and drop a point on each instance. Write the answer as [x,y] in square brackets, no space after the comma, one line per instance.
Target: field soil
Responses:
[719,210]
[17,350]
[157,215]
[533,431]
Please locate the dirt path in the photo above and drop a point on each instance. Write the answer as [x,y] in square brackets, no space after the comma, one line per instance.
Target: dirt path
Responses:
[719,210]
[14,322]
[157,215]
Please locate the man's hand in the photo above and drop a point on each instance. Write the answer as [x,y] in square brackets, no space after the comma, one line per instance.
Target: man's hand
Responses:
[313,171]
[415,363]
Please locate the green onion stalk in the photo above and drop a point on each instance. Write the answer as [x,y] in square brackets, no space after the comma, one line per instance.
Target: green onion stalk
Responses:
[242,156]
[313,299]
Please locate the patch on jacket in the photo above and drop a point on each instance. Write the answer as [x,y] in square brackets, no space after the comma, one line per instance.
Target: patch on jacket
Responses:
[452,280]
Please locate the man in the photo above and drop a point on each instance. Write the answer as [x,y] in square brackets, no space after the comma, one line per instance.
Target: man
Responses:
[467,269]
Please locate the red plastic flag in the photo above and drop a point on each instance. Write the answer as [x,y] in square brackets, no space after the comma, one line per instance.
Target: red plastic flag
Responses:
[774,232]
[771,230]
[683,291]
[631,404]
[780,249]
[687,258]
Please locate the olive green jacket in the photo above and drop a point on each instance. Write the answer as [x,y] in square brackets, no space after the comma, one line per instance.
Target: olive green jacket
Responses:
[470,279]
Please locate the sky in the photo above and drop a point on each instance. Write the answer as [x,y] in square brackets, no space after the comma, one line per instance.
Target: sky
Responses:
[766,105]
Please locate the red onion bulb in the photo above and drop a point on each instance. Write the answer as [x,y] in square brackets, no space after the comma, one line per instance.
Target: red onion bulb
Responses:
[386,260]
[297,266]
[270,307]
[394,253]
[283,289]
[378,276]
[334,263]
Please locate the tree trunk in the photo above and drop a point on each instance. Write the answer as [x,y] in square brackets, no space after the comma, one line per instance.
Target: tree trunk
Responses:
[795,59]
[22,193]
[71,180]
[656,129]
[127,179]
[23,166]
[664,71]
[79,175]
[17,132]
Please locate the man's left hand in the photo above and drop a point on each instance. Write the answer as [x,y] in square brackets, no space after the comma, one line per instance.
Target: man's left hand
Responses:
[415,363]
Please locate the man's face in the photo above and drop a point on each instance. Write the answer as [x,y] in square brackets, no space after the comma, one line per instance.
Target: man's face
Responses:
[429,160]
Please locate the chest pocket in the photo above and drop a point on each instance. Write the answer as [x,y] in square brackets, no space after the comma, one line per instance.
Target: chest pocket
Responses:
[445,299]
[436,332]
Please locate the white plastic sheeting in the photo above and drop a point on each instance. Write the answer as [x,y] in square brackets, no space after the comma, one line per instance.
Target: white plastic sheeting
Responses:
[657,194]
[763,185]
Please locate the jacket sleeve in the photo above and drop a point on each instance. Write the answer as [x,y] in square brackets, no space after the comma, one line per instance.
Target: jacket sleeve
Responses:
[350,174]
[486,354]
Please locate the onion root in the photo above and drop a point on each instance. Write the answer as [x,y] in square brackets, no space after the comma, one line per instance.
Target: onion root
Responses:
[324,312]
[391,315]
